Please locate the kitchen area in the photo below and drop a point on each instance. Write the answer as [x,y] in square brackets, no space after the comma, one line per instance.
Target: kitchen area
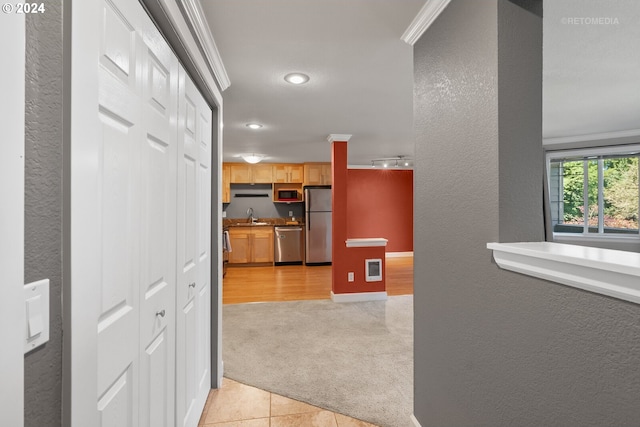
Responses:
[276,214]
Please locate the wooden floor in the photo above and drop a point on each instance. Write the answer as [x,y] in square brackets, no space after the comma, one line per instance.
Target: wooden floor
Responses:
[299,282]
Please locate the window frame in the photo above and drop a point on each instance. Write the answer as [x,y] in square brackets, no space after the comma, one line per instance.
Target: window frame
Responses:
[595,154]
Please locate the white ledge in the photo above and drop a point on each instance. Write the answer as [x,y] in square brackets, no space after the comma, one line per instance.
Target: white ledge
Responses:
[359,297]
[604,271]
[369,242]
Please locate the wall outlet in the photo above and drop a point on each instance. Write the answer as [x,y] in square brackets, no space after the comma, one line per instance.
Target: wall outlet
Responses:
[290,213]
[350,276]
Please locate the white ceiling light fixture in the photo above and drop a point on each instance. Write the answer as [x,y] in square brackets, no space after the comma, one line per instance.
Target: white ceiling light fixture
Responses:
[254,126]
[252,158]
[296,78]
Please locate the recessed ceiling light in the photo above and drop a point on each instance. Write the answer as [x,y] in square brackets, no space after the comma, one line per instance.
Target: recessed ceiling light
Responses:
[296,78]
[254,126]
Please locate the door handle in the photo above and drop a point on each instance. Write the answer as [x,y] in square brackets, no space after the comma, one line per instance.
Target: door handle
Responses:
[160,313]
[192,284]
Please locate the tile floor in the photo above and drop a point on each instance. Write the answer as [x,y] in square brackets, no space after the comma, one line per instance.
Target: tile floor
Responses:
[240,405]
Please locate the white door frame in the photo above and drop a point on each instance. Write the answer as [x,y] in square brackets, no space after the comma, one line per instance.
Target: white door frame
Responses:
[12,313]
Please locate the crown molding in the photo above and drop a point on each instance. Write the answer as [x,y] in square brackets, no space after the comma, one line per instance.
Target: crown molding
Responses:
[171,17]
[339,137]
[607,138]
[196,19]
[423,20]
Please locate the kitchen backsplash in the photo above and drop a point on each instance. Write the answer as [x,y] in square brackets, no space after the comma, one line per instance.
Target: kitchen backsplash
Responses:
[263,207]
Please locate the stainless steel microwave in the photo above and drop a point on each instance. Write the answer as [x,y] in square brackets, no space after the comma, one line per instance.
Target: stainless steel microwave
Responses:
[288,195]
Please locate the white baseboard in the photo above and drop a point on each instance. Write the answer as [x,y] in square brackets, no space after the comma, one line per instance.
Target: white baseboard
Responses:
[398,254]
[414,420]
[358,297]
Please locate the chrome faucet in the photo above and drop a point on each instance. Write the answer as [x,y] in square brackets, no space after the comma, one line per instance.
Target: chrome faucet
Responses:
[250,216]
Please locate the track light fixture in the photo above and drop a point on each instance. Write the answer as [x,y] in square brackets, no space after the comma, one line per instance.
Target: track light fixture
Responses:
[396,161]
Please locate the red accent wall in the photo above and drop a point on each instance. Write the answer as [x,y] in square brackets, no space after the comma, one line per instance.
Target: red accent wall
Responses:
[339,256]
[380,204]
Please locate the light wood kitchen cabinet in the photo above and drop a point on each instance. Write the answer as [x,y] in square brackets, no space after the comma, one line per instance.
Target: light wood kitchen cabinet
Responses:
[244,173]
[262,174]
[288,174]
[251,244]
[240,173]
[226,183]
[317,174]
[240,245]
[262,247]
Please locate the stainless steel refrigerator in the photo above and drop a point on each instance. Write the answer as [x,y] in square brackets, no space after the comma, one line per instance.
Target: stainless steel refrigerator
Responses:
[317,208]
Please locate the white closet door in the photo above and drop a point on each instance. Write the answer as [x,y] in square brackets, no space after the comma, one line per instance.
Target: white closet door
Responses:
[117,143]
[193,285]
[159,76]
[203,327]
[139,342]
[123,236]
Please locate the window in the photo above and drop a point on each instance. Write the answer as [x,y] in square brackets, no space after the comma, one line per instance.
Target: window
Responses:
[595,192]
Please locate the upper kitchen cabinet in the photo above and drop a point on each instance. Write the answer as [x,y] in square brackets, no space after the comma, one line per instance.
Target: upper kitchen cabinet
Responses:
[317,174]
[239,173]
[288,174]
[243,173]
[226,183]
[261,174]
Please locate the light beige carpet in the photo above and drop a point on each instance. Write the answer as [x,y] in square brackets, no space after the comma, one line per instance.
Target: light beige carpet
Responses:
[351,358]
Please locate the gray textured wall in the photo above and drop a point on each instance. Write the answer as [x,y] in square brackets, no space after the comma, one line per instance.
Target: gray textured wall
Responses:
[494,348]
[43,206]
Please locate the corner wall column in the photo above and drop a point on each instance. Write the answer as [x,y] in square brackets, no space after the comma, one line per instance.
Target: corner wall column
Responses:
[338,210]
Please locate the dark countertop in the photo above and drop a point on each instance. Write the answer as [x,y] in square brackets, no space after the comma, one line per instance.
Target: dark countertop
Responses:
[261,222]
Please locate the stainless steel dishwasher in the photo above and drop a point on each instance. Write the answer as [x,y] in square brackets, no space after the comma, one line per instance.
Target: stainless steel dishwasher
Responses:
[288,245]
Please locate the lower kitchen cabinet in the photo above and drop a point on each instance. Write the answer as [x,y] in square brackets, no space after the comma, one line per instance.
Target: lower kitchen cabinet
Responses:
[240,245]
[251,244]
[262,247]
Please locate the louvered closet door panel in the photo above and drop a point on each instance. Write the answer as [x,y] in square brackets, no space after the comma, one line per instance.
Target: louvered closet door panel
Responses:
[119,136]
[159,73]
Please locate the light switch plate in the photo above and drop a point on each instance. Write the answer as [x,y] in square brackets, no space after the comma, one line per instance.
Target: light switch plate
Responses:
[36,305]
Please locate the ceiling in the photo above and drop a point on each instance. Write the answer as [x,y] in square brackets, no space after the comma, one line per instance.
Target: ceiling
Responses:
[591,71]
[362,74]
